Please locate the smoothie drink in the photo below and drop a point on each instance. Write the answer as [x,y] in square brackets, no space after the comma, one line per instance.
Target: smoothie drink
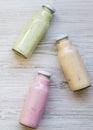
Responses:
[33,32]
[72,64]
[36,100]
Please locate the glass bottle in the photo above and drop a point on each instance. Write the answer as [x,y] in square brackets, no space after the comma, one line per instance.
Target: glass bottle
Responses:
[72,64]
[33,32]
[36,100]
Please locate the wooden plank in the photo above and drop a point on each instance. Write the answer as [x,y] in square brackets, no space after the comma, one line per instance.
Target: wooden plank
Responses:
[65,110]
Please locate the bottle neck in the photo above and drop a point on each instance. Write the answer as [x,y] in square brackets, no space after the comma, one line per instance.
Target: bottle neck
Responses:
[43,79]
[46,13]
[63,43]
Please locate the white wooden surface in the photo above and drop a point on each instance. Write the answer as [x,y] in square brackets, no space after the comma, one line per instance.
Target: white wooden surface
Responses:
[65,110]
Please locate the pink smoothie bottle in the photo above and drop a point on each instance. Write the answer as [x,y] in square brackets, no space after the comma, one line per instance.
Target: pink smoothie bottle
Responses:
[36,100]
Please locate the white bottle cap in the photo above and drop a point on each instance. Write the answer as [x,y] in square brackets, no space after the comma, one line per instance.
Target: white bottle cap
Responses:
[50,7]
[62,36]
[45,72]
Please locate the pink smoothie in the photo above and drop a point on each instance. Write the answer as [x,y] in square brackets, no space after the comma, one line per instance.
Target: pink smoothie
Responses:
[36,100]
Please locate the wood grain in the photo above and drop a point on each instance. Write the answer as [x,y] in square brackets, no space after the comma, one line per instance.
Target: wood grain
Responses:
[65,110]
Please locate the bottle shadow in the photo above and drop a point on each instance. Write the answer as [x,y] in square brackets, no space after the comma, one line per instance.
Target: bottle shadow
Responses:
[82,94]
[20,61]
[26,128]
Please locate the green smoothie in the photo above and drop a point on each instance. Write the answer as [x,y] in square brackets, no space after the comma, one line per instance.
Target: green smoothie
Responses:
[33,32]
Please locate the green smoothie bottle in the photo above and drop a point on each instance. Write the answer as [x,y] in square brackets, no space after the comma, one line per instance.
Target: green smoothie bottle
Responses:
[33,32]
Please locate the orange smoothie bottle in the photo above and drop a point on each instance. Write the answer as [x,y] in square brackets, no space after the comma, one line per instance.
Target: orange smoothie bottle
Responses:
[72,64]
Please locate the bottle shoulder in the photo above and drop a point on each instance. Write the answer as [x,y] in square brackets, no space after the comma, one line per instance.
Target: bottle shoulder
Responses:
[40,85]
[40,21]
[66,50]
[42,15]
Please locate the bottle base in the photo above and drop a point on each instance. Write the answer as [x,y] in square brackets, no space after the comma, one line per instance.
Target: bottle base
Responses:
[81,88]
[19,53]
[27,125]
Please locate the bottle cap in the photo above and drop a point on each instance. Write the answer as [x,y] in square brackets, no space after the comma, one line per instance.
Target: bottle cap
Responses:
[49,7]
[45,72]
[62,36]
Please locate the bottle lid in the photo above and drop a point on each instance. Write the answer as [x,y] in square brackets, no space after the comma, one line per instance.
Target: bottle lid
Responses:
[49,7]
[62,36]
[45,72]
